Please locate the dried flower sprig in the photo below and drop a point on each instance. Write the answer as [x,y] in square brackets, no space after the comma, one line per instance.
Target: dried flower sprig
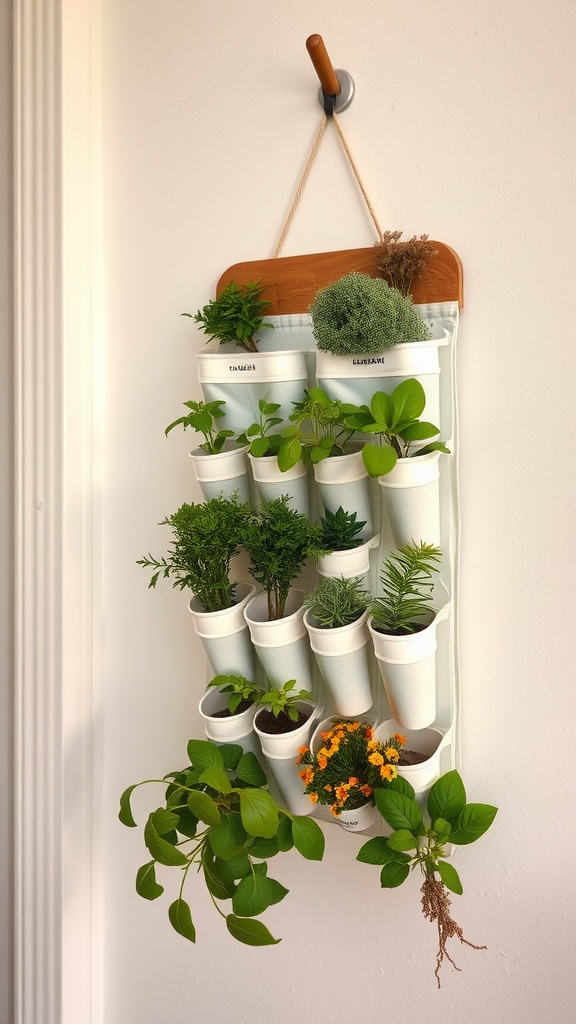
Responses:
[400,262]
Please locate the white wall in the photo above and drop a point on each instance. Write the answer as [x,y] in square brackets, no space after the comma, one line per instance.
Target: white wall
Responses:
[463,127]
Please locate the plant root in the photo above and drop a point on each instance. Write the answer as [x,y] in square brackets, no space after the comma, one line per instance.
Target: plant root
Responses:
[435,906]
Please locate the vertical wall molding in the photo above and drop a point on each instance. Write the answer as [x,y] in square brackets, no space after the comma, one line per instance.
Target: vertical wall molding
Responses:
[57,538]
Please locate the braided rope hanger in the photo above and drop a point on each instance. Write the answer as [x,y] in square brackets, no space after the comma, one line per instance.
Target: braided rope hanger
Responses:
[316,144]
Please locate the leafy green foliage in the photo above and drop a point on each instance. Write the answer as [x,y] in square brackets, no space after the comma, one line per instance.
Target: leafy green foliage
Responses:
[395,419]
[407,581]
[284,700]
[361,314]
[235,315]
[241,826]
[320,430]
[201,418]
[337,601]
[416,844]
[340,530]
[238,687]
[206,537]
[278,540]
[258,436]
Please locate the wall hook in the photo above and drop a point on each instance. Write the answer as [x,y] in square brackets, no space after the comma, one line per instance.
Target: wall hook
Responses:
[336,86]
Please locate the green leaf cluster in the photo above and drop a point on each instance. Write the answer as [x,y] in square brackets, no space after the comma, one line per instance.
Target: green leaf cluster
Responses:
[217,819]
[395,419]
[361,314]
[278,540]
[239,688]
[206,537]
[202,418]
[340,530]
[258,436]
[284,700]
[235,315]
[407,581]
[337,601]
[320,430]
[414,843]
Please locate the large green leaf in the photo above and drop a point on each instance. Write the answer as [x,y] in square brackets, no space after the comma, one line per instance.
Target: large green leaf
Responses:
[164,821]
[146,884]
[252,933]
[217,779]
[393,874]
[220,888]
[473,821]
[375,851]
[264,848]
[289,454]
[259,813]
[284,834]
[250,771]
[204,754]
[382,409]
[231,754]
[181,919]
[402,840]
[409,400]
[233,869]
[447,797]
[187,822]
[203,807]
[253,895]
[401,785]
[450,877]
[229,837]
[125,812]
[308,837]
[378,459]
[277,891]
[398,810]
[418,431]
[160,850]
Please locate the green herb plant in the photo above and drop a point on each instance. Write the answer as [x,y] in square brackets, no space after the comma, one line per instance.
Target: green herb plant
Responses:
[278,540]
[359,314]
[284,700]
[407,581]
[201,418]
[205,539]
[218,820]
[337,601]
[239,688]
[235,315]
[417,845]
[400,262]
[319,431]
[258,435]
[340,530]
[395,419]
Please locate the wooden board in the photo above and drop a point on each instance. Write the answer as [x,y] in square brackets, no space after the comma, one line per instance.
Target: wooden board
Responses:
[292,281]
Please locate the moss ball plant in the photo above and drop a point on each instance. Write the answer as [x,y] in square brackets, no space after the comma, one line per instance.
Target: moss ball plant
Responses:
[359,314]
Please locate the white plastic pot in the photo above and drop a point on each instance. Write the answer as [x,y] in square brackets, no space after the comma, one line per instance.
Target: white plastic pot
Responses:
[233,729]
[241,379]
[286,744]
[284,772]
[425,741]
[225,635]
[271,483]
[407,666]
[342,659]
[360,819]
[223,473]
[412,499]
[343,482]
[352,562]
[281,644]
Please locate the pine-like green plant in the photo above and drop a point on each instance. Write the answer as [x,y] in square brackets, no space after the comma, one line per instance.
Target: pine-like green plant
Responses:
[337,601]
[205,539]
[340,530]
[407,580]
[235,315]
[278,540]
[361,314]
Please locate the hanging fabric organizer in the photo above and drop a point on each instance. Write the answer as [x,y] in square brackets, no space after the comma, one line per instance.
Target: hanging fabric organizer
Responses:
[291,283]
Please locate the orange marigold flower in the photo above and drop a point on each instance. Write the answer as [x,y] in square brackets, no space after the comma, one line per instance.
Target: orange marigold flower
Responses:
[392,754]
[388,772]
[369,732]
[376,758]
[328,787]
[335,810]
[353,781]
[313,797]
[324,752]
[373,745]
[325,735]
[401,739]
[322,762]
[353,726]
[342,792]
[303,750]
[366,790]
[307,775]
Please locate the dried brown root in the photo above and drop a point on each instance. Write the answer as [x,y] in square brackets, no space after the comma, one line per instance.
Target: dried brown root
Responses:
[435,906]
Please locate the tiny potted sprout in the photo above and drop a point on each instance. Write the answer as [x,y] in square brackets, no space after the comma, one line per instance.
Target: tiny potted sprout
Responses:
[283,724]
[219,465]
[227,708]
[263,443]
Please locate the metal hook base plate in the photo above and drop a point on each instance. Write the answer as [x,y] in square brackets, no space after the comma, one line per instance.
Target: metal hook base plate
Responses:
[346,94]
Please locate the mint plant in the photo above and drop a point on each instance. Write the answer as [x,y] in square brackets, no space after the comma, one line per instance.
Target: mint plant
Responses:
[218,821]
[258,436]
[284,700]
[201,418]
[417,845]
[239,688]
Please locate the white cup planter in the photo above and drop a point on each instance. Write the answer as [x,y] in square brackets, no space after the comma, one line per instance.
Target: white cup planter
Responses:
[343,482]
[285,773]
[241,379]
[225,635]
[408,669]
[281,644]
[349,563]
[359,819]
[286,744]
[224,473]
[238,728]
[412,499]
[271,483]
[425,741]
[342,659]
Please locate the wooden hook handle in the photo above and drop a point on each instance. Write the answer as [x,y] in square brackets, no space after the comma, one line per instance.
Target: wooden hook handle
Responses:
[322,65]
